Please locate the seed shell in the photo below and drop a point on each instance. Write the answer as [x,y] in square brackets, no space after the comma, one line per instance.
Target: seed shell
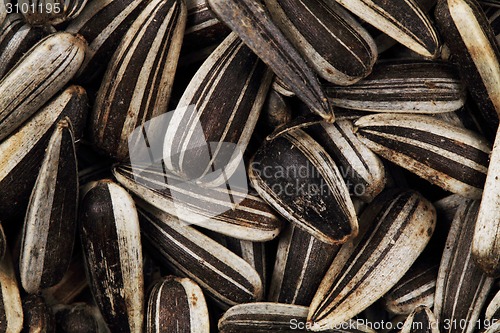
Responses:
[11,310]
[232,212]
[403,86]
[493,308]
[461,288]
[338,48]
[40,74]
[220,106]
[395,228]
[111,244]
[421,320]
[470,38]
[79,318]
[269,43]
[177,305]
[311,193]
[404,20]
[45,12]
[301,262]
[50,223]
[450,157]
[137,84]
[226,277]
[38,317]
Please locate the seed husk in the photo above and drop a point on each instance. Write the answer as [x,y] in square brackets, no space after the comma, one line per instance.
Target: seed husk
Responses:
[338,48]
[493,308]
[226,277]
[177,305]
[45,12]
[394,230]
[220,106]
[270,44]
[37,77]
[111,243]
[421,320]
[137,84]
[403,86]
[405,21]
[317,201]
[470,38]
[450,157]
[485,247]
[103,23]
[11,310]
[38,317]
[22,153]
[232,212]
[79,318]
[50,223]
[459,299]
[301,262]
[361,169]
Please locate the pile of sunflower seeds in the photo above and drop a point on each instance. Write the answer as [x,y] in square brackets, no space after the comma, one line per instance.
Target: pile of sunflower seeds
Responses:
[249,166]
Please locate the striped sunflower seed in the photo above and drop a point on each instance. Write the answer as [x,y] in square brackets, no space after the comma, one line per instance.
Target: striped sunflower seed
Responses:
[103,23]
[421,320]
[137,84]
[177,305]
[361,169]
[276,317]
[493,308]
[295,175]
[226,277]
[11,309]
[16,38]
[44,12]
[461,287]
[203,33]
[403,86]
[22,153]
[111,243]
[221,105]
[450,157]
[38,317]
[395,228]
[246,216]
[485,247]
[276,111]
[405,21]
[4,6]
[40,74]
[470,38]
[79,318]
[338,48]
[415,288]
[50,223]
[301,262]
[270,44]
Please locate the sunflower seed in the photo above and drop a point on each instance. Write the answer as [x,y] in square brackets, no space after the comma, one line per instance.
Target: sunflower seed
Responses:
[226,277]
[421,320]
[485,247]
[137,84]
[450,157]
[16,38]
[494,327]
[493,308]
[415,288]
[276,111]
[103,23]
[221,105]
[298,179]
[43,12]
[395,228]
[11,310]
[79,318]
[50,223]
[37,315]
[38,76]
[246,216]
[337,46]
[4,7]
[467,33]
[112,250]
[177,305]
[301,262]
[405,21]
[361,169]
[269,43]
[461,287]
[21,154]
[403,86]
